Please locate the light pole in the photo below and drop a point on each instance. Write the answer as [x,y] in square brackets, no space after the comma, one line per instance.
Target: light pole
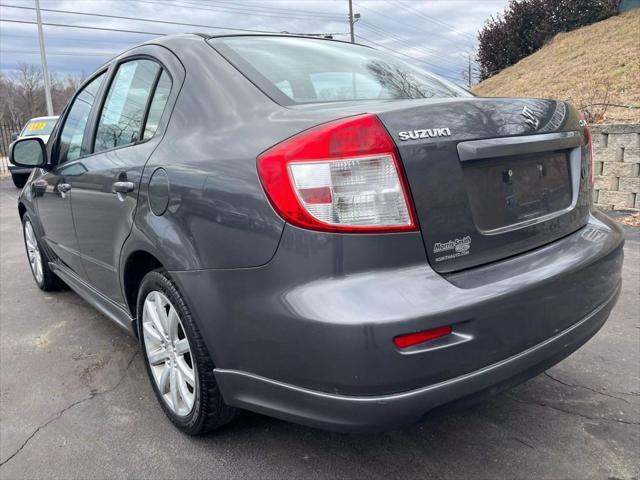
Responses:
[43,59]
[353,18]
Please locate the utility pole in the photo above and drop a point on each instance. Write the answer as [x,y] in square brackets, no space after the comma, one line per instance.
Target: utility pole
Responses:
[43,59]
[353,18]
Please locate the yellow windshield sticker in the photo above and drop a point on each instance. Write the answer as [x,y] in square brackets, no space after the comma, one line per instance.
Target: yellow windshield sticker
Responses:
[37,126]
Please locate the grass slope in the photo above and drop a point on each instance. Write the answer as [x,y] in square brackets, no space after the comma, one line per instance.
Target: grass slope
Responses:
[580,67]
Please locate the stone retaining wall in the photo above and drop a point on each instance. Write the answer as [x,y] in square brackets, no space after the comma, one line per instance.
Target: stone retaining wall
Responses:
[616,166]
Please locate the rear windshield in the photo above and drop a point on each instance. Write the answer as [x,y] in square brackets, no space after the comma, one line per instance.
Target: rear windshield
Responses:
[300,70]
[39,126]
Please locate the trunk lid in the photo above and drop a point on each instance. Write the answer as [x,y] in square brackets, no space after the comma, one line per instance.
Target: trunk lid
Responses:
[492,178]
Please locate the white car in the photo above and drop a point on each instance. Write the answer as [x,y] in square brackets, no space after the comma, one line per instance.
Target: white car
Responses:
[40,127]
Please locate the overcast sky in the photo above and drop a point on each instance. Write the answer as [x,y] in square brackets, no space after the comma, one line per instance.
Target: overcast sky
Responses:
[438,34]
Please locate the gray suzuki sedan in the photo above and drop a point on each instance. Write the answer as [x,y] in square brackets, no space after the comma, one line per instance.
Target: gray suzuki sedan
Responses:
[318,231]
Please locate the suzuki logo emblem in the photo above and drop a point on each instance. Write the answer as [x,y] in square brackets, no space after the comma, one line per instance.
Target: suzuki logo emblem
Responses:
[424,133]
[530,117]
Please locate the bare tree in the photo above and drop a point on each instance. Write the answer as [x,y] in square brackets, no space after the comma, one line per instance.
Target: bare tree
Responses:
[28,80]
[398,80]
[22,93]
[471,71]
[63,90]
[10,111]
[73,82]
[593,95]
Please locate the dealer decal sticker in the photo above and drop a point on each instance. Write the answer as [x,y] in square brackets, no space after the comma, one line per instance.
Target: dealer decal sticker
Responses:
[459,247]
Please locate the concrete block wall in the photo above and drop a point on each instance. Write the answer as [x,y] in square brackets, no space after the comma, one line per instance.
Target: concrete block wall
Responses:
[616,166]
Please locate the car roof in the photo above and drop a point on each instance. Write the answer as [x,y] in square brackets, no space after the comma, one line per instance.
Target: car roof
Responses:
[282,34]
[208,36]
[167,40]
[53,117]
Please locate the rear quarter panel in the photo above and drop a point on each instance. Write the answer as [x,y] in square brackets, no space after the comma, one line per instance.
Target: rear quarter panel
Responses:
[217,215]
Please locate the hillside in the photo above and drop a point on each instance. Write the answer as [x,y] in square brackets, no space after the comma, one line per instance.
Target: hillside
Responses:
[581,67]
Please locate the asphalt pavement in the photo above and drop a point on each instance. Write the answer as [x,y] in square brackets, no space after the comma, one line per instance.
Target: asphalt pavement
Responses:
[75,402]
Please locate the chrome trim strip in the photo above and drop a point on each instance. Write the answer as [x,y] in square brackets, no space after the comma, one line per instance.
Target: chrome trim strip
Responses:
[502,147]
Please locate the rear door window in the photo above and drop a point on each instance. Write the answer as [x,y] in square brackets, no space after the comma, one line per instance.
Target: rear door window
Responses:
[123,113]
[159,101]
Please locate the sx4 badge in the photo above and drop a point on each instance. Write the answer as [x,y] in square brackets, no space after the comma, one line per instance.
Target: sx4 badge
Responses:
[458,247]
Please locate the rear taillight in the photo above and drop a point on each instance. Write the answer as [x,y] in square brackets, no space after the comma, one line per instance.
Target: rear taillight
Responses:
[341,176]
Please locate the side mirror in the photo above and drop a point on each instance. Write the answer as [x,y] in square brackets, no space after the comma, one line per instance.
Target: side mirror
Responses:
[14,136]
[28,152]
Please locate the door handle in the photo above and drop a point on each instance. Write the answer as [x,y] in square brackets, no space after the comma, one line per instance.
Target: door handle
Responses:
[123,187]
[64,187]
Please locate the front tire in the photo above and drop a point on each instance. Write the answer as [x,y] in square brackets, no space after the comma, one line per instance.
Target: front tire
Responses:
[19,179]
[38,261]
[176,358]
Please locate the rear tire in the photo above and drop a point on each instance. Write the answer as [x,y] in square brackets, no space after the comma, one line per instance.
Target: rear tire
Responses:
[19,179]
[38,260]
[178,353]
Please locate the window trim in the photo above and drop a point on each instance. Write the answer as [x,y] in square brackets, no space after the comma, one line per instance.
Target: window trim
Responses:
[57,133]
[147,108]
[158,53]
[96,117]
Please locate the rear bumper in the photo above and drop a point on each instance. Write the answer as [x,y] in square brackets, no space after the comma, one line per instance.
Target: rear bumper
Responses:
[371,413]
[308,336]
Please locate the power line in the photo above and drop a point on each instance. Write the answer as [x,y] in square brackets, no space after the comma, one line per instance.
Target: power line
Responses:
[405,25]
[434,20]
[76,39]
[409,56]
[397,39]
[238,8]
[262,7]
[381,31]
[404,43]
[63,53]
[165,22]
[227,9]
[401,53]
[252,9]
[421,60]
[84,27]
[61,25]
[374,29]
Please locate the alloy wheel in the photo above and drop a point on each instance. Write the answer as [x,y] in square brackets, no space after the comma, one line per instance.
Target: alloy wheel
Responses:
[33,252]
[169,353]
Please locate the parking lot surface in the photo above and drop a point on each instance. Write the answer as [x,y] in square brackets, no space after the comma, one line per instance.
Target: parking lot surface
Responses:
[75,402]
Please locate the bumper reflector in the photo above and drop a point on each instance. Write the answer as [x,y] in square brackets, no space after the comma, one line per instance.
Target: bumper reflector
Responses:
[411,339]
